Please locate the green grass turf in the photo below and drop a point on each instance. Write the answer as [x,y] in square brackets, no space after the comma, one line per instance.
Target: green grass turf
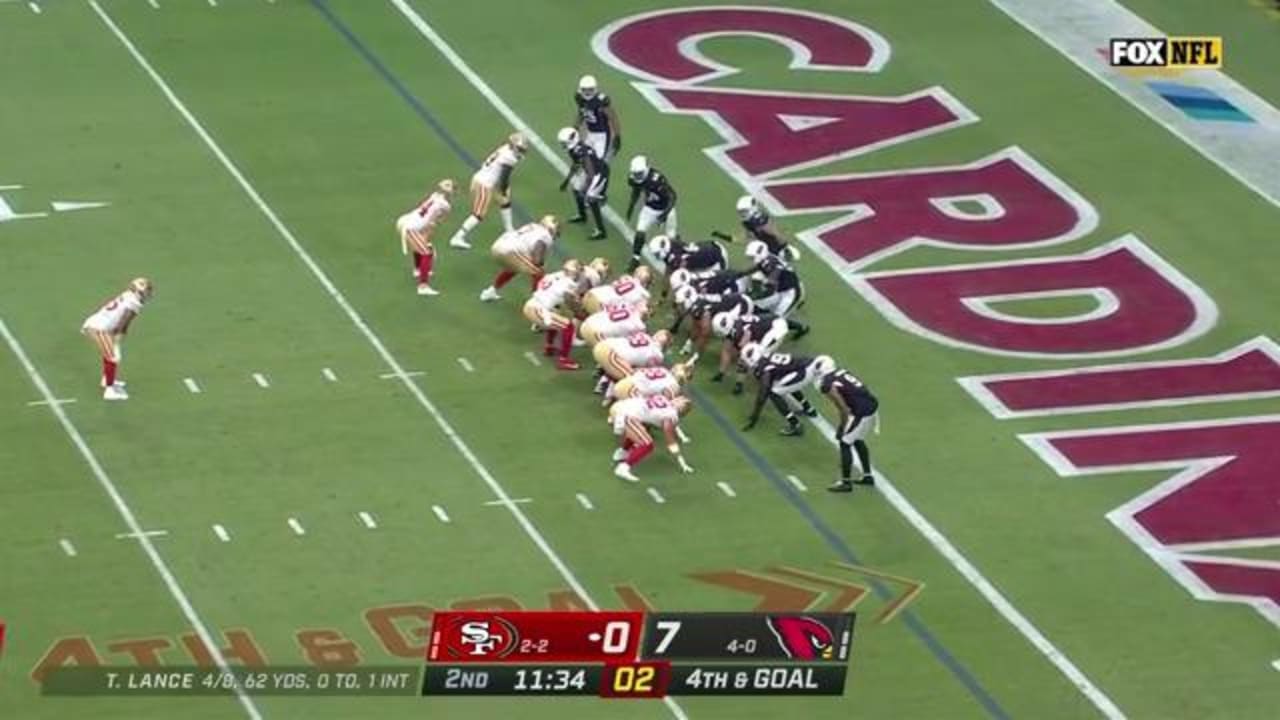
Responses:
[337,154]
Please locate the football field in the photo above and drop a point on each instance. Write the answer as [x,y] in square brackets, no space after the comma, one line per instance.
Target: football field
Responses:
[1059,278]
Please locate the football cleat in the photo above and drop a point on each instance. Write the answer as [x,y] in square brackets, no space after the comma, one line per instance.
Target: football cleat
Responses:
[598,235]
[427,290]
[639,168]
[840,486]
[565,363]
[567,137]
[459,242]
[115,392]
[489,294]
[866,480]
[619,455]
[794,429]
[623,471]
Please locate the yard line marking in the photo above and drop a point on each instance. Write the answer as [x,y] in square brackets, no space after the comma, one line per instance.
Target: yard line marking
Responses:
[222,533]
[900,503]
[126,512]
[1276,664]
[534,360]
[585,502]
[154,3]
[657,496]
[67,547]
[726,488]
[466,364]
[54,401]
[191,385]
[368,520]
[795,482]
[261,380]
[400,374]
[297,527]
[390,360]
[213,3]
[514,500]
[329,375]
[140,534]
[440,513]
[34,7]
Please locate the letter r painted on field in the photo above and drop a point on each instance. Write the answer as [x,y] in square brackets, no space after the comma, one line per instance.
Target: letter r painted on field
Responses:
[662,46]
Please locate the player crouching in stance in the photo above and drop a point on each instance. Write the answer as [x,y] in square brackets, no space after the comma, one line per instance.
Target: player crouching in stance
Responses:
[632,289]
[107,328]
[415,228]
[857,407]
[782,379]
[649,381]
[619,357]
[493,176]
[523,250]
[613,321]
[555,291]
[630,419]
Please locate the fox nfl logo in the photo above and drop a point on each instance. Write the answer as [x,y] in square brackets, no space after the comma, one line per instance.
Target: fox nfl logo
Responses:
[1170,52]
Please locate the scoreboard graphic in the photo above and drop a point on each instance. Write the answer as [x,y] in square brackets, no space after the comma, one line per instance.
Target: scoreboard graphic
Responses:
[638,655]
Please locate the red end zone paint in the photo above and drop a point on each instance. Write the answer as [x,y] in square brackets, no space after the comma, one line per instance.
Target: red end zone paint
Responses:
[1230,578]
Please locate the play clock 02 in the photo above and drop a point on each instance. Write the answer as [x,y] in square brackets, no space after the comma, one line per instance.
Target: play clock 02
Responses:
[472,679]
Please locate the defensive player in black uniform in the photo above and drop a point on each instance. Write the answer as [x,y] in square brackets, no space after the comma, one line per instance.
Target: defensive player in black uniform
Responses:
[706,290]
[783,378]
[857,407]
[758,326]
[596,119]
[659,204]
[783,291]
[759,226]
[700,259]
[589,174]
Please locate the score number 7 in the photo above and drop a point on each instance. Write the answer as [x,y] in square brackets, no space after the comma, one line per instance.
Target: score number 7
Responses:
[668,628]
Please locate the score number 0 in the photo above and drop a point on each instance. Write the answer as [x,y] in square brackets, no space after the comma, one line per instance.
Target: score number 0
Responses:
[617,634]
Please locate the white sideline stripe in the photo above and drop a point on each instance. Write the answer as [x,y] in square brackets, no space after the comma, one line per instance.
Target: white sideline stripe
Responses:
[191,385]
[261,380]
[514,500]
[368,520]
[900,503]
[141,534]
[34,7]
[297,527]
[726,488]
[466,364]
[154,3]
[55,401]
[329,375]
[398,374]
[534,360]
[657,496]
[213,3]
[440,513]
[585,502]
[222,533]
[67,547]
[126,513]
[1276,664]
[796,482]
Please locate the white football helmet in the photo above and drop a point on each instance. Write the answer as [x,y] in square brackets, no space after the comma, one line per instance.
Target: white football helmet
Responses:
[751,355]
[660,247]
[756,251]
[568,137]
[824,365]
[639,168]
[747,207]
[685,297]
[587,86]
[680,277]
[722,324]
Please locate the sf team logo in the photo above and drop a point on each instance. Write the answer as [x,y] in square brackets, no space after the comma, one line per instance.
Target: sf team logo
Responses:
[802,637]
[480,639]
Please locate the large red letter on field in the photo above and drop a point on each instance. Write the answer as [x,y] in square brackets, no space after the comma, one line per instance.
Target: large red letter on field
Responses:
[1024,204]
[770,131]
[663,45]
[1154,306]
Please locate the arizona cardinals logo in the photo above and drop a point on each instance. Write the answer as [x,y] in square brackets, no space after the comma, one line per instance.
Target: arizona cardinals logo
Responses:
[802,637]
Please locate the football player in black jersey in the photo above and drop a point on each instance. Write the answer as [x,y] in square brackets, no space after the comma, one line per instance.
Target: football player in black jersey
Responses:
[659,206]
[700,259]
[596,119]
[857,407]
[758,326]
[783,378]
[589,174]
[783,291]
[759,226]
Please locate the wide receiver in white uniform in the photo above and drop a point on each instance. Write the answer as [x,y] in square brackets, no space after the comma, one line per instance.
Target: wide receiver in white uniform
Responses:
[551,309]
[415,228]
[493,176]
[523,250]
[107,327]
[630,419]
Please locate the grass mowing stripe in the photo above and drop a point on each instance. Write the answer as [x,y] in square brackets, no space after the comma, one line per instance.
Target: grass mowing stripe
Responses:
[963,675]
[376,342]
[126,512]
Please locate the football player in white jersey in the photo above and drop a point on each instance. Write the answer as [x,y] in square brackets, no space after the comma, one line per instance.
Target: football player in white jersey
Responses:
[551,309]
[619,357]
[493,176]
[631,289]
[651,381]
[631,419]
[107,327]
[615,320]
[415,229]
[522,251]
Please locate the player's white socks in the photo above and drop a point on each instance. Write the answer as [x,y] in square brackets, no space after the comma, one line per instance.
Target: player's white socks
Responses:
[506,219]
[459,238]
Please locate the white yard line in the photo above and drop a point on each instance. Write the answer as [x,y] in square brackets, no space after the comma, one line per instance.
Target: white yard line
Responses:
[534,360]
[726,488]
[657,496]
[521,501]
[296,527]
[261,380]
[222,533]
[795,481]
[154,3]
[67,547]
[440,513]
[944,546]
[466,365]
[53,401]
[329,375]
[368,520]
[35,8]
[191,385]
[140,535]
[585,502]
[126,513]
[401,374]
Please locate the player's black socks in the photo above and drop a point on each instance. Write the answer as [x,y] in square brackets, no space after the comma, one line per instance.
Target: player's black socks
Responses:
[637,246]
[805,405]
[797,328]
[595,215]
[580,201]
[864,458]
[846,461]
